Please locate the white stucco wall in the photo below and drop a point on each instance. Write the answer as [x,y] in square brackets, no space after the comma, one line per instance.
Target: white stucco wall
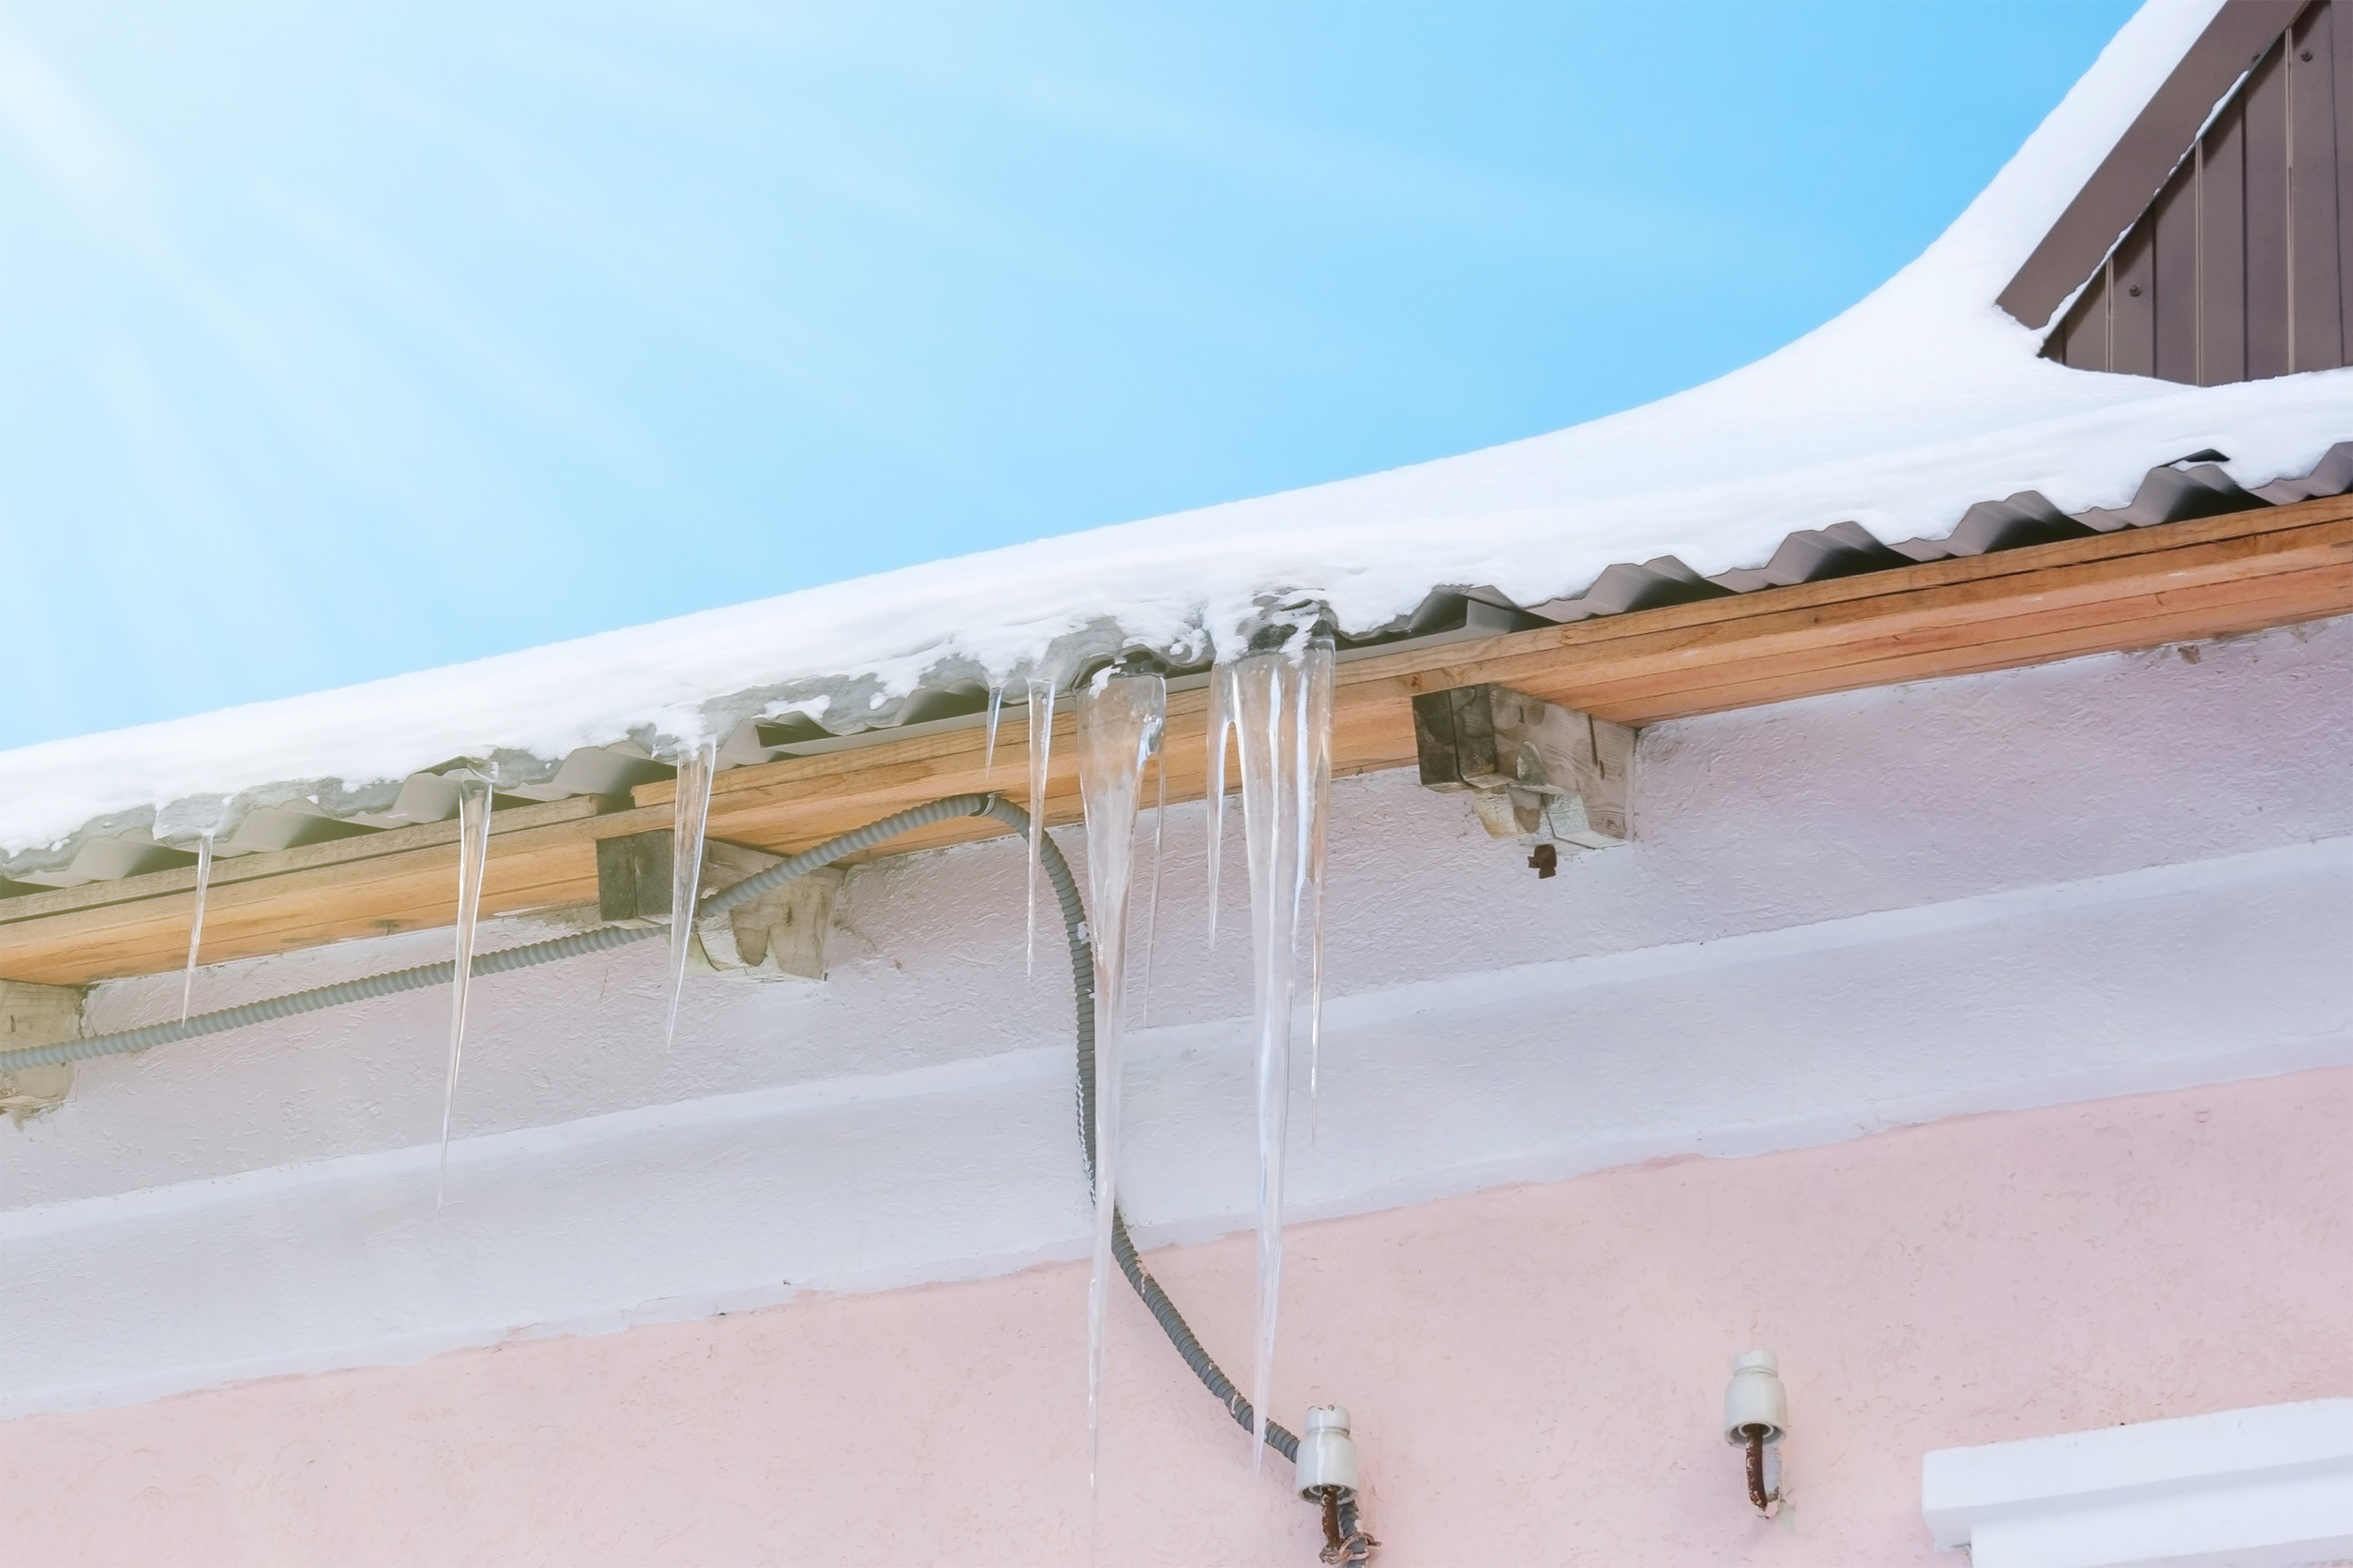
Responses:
[2122,873]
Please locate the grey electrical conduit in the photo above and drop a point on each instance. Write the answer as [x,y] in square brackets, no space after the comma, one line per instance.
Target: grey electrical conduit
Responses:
[580,943]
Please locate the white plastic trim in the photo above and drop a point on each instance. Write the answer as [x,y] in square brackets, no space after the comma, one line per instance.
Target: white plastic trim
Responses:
[2270,1486]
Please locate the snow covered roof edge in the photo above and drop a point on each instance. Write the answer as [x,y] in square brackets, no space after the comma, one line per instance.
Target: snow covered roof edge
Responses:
[1920,402]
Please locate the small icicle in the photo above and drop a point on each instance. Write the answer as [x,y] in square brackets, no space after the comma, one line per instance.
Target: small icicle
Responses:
[473,853]
[1119,723]
[1318,677]
[988,756]
[690,809]
[1221,679]
[196,922]
[1152,907]
[1041,756]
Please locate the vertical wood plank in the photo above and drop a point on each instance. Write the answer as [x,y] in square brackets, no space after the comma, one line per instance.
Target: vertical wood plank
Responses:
[2173,263]
[2133,304]
[2087,326]
[2222,267]
[2341,87]
[2266,218]
[2316,337]
[2055,344]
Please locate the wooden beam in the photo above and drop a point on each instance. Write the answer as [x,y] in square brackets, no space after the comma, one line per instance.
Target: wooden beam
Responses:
[2137,588]
[395,881]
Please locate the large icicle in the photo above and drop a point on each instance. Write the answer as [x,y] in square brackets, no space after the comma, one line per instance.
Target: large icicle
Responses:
[1152,900]
[690,809]
[196,921]
[1220,732]
[1315,739]
[1041,724]
[1282,722]
[473,853]
[1120,724]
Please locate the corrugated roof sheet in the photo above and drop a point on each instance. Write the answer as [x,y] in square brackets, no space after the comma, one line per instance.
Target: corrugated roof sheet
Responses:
[2190,488]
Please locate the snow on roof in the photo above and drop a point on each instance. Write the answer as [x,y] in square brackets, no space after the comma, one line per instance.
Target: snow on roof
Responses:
[1899,415]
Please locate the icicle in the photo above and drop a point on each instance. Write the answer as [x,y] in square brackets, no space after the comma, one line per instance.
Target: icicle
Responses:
[690,808]
[1152,906]
[1119,723]
[473,853]
[1220,727]
[1041,754]
[196,922]
[996,706]
[1315,739]
[1268,747]
[1281,711]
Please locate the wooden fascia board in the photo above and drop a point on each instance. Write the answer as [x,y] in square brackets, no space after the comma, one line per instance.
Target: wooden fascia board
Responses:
[2136,588]
[275,902]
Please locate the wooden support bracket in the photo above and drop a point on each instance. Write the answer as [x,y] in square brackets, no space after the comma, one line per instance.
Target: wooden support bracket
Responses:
[1537,772]
[37,1016]
[778,936]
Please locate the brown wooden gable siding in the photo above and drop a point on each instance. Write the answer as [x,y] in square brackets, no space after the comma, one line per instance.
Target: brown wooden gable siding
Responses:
[2243,266]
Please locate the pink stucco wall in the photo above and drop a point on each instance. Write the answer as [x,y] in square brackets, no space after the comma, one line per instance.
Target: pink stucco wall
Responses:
[1535,1371]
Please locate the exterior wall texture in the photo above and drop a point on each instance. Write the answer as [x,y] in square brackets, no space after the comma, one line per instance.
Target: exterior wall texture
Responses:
[1535,1373]
[1990,910]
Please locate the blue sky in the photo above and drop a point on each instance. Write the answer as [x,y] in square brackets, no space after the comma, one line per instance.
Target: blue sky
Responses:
[343,341]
